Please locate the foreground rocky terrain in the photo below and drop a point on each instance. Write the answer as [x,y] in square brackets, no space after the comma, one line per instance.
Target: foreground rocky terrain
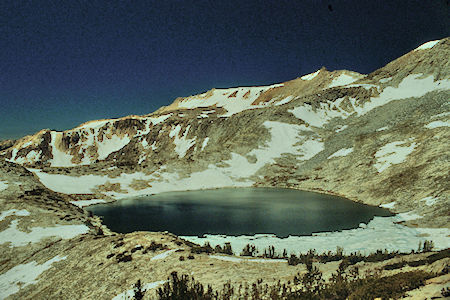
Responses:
[379,139]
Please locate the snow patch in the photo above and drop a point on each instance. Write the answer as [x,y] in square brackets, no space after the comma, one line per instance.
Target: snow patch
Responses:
[341,128]
[3,185]
[130,293]
[436,124]
[428,45]
[342,79]
[383,128]
[242,99]
[341,152]
[14,212]
[430,201]
[83,203]
[23,275]
[183,144]
[392,153]
[388,205]
[163,255]
[110,145]
[310,76]
[160,119]
[411,86]
[384,80]
[60,158]
[284,101]
[320,116]
[205,142]
[19,238]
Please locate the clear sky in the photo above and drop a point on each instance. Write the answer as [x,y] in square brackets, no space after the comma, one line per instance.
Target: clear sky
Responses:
[66,62]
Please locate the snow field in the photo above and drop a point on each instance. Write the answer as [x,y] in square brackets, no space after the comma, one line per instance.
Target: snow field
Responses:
[436,124]
[18,238]
[3,185]
[83,203]
[393,153]
[182,144]
[14,212]
[310,76]
[23,275]
[163,255]
[380,233]
[428,45]
[341,152]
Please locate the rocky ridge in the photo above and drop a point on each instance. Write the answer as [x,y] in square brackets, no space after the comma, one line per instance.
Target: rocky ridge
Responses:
[379,139]
[376,138]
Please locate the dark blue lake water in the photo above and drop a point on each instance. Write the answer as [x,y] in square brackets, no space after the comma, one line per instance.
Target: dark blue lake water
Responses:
[241,211]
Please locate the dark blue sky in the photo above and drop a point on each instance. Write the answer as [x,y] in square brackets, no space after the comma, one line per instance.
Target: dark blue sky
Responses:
[66,62]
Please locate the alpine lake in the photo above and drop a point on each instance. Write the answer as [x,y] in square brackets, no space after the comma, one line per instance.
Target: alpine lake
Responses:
[236,211]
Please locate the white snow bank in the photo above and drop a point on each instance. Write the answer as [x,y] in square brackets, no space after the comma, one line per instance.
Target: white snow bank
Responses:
[14,212]
[163,255]
[320,116]
[384,80]
[70,184]
[436,124]
[157,120]
[430,201]
[310,76]
[234,100]
[94,124]
[341,152]
[19,238]
[110,145]
[380,233]
[392,153]
[3,185]
[146,286]
[83,203]
[342,79]
[237,259]
[428,45]
[284,101]
[205,142]
[60,158]
[182,144]
[411,86]
[388,205]
[23,275]
[341,128]
[382,128]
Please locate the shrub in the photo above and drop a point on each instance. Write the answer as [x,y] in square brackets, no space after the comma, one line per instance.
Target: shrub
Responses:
[427,246]
[206,248]
[269,252]
[389,287]
[249,250]
[139,292]
[183,288]
[225,250]
[293,260]
[123,257]
[154,247]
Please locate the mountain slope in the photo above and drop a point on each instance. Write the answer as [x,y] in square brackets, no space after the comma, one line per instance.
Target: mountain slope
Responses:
[378,138]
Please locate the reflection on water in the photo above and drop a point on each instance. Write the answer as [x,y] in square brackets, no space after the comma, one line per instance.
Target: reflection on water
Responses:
[240,211]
